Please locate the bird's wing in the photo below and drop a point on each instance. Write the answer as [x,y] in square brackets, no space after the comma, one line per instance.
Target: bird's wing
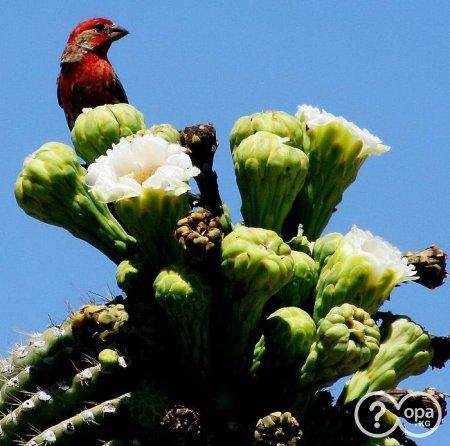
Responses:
[118,91]
[58,90]
[69,117]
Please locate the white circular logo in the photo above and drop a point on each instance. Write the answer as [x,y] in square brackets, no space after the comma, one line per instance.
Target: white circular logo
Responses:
[426,417]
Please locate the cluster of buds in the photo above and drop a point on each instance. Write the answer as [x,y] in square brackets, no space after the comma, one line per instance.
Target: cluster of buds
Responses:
[278,429]
[200,235]
[236,320]
[182,426]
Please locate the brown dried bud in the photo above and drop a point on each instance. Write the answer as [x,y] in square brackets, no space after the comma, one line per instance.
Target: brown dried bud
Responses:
[430,266]
[414,400]
[200,235]
[181,426]
[99,321]
[201,142]
[278,429]
[441,351]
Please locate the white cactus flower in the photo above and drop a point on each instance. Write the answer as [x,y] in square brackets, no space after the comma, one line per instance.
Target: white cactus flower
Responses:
[315,117]
[132,166]
[381,253]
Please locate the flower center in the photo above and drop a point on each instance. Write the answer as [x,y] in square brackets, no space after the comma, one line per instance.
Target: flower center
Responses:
[143,175]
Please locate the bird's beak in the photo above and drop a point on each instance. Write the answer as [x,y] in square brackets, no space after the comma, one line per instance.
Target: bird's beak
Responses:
[117,32]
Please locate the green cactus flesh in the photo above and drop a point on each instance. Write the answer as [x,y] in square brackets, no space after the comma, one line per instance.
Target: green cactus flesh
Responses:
[300,288]
[186,299]
[51,188]
[152,219]
[257,263]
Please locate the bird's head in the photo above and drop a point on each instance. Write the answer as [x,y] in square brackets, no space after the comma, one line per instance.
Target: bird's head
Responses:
[96,35]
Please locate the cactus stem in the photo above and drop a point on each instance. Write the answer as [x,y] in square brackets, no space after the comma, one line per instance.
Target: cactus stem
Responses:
[62,399]
[87,424]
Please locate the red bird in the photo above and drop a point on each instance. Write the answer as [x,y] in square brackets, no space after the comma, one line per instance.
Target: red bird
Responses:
[87,78]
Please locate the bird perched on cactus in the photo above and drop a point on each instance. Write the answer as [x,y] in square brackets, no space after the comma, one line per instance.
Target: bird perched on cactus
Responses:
[87,78]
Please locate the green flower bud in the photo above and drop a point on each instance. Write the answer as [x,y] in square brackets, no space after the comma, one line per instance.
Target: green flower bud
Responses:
[362,271]
[277,122]
[301,286]
[278,429]
[186,299]
[97,129]
[301,243]
[108,359]
[129,275]
[288,336]
[257,263]
[51,188]
[335,158]
[226,222]
[152,219]
[346,339]
[404,351]
[257,259]
[258,354]
[269,174]
[324,248]
[167,132]
[336,149]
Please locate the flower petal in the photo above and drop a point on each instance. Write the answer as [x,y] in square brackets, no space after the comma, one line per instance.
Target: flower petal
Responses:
[314,117]
[145,161]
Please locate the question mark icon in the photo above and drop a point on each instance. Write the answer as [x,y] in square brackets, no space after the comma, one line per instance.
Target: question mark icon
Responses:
[379,414]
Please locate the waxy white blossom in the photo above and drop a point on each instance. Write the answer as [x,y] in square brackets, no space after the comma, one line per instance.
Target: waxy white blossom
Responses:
[315,117]
[131,166]
[382,255]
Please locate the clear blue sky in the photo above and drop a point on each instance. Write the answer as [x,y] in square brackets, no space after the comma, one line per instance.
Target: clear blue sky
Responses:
[383,64]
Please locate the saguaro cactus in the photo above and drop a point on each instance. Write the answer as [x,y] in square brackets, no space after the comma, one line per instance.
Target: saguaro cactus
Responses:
[227,333]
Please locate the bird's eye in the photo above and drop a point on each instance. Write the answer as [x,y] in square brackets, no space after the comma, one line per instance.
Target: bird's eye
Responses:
[100,27]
